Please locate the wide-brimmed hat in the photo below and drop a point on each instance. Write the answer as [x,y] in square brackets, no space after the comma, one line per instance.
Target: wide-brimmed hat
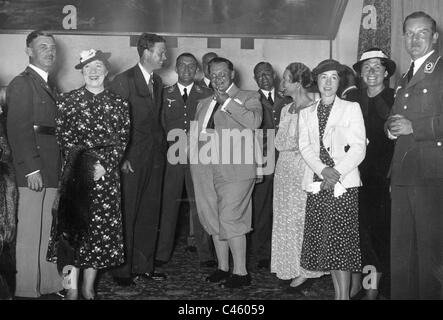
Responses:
[376,53]
[90,55]
[328,65]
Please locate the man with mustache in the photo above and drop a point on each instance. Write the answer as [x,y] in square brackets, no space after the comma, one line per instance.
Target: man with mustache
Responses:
[417,167]
[36,157]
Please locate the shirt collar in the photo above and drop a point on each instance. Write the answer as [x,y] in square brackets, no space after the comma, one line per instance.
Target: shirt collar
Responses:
[207,81]
[145,73]
[419,62]
[266,93]
[41,73]
[188,88]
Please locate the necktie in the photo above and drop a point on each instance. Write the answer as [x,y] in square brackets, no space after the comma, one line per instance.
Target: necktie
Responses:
[270,98]
[185,95]
[151,88]
[411,72]
[211,124]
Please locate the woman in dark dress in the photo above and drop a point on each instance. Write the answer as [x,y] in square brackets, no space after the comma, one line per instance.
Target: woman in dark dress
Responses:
[92,130]
[376,101]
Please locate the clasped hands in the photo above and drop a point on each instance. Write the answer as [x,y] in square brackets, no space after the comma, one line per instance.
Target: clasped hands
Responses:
[399,125]
[330,178]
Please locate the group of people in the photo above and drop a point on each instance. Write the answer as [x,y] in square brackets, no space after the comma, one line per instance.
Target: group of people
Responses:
[342,152]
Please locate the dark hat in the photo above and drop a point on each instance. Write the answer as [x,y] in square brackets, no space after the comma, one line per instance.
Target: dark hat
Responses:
[376,53]
[90,55]
[328,65]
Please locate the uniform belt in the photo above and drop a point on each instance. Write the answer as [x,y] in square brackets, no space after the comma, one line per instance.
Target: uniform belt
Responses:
[44,130]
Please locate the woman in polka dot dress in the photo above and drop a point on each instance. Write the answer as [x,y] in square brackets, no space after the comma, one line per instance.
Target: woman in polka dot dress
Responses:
[332,141]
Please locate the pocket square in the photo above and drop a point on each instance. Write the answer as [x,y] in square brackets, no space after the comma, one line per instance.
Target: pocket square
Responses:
[238,101]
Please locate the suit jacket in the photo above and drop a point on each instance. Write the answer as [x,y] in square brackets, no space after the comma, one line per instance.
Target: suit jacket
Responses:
[344,139]
[244,111]
[418,158]
[176,114]
[32,102]
[147,136]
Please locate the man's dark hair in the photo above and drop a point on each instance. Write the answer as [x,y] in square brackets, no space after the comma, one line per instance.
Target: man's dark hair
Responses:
[260,64]
[186,54]
[217,60]
[421,14]
[148,41]
[35,34]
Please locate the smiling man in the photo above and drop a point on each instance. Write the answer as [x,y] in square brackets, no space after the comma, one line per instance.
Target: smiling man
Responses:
[417,167]
[223,190]
[31,132]
[144,160]
[272,103]
[178,110]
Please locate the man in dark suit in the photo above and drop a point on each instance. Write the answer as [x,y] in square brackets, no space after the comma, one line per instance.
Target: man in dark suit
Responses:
[36,159]
[178,110]
[272,103]
[144,161]
[206,81]
[417,167]
[223,186]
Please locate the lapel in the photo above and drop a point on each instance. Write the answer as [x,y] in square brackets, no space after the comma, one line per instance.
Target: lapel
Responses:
[335,116]
[40,81]
[140,82]
[233,92]
[427,67]
[202,109]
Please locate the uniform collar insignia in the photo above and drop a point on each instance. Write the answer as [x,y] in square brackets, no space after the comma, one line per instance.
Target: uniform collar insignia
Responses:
[171,89]
[197,88]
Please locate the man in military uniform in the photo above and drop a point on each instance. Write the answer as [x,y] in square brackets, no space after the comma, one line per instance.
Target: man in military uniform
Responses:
[262,196]
[36,156]
[178,110]
[417,167]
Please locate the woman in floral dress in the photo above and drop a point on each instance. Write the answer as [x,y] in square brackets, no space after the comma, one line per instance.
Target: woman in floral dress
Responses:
[92,130]
[289,197]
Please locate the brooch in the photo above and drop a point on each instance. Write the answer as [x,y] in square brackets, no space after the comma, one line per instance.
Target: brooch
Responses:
[170,101]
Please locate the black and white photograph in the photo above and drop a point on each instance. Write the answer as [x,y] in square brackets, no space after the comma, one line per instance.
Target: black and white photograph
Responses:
[221,158]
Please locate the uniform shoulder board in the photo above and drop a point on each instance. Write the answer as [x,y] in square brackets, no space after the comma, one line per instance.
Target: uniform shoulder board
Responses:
[169,89]
[198,88]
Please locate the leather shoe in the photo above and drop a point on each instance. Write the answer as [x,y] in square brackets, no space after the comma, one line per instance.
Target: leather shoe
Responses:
[159,263]
[209,264]
[263,264]
[217,276]
[236,281]
[156,276]
[123,282]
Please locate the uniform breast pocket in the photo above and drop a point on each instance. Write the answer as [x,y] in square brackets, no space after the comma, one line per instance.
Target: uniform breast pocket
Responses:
[424,98]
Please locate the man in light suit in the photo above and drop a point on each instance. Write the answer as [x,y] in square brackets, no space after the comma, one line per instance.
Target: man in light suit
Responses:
[417,167]
[178,110]
[36,157]
[223,187]
[262,197]
[144,161]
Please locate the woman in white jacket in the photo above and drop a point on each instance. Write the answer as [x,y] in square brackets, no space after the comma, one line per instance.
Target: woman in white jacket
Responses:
[332,141]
